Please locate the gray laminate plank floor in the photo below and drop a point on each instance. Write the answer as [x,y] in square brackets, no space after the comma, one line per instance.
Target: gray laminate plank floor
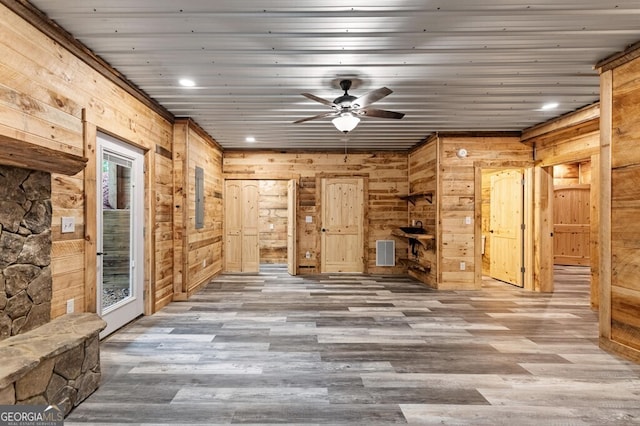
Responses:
[365,349]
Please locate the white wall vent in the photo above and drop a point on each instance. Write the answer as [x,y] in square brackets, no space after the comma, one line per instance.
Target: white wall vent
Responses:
[385,253]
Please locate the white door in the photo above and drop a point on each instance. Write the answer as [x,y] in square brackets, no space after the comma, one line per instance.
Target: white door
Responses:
[120,239]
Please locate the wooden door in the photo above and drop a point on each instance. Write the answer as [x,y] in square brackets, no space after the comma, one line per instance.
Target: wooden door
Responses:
[292,212]
[505,227]
[342,216]
[242,252]
[233,226]
[250,227]
[571,238]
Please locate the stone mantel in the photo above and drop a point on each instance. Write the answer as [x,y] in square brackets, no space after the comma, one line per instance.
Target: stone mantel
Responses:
[36,157]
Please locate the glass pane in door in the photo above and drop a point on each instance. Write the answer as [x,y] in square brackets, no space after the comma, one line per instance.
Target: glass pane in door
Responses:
[116,226]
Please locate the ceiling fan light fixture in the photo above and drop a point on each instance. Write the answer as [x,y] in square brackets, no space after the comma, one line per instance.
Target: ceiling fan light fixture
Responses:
[346,122]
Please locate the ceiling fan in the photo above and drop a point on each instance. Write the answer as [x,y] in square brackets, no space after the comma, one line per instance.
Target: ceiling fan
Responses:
[347,109]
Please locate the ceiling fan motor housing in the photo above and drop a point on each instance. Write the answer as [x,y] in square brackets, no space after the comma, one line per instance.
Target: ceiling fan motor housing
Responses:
[345,100]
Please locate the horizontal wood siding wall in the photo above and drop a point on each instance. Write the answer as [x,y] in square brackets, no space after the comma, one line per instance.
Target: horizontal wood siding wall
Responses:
[625,207]
[198,252]
[423,172]
[457,198]
[388,180]
[272,205]
[163,233]
[44,92]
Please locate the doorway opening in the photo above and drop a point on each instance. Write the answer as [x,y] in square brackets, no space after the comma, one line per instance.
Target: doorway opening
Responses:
[572,220]
[260,231]
[503,224]
[571,214]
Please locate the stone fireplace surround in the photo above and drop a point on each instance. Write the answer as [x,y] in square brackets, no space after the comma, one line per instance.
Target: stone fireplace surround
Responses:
[44,362]
[25,250]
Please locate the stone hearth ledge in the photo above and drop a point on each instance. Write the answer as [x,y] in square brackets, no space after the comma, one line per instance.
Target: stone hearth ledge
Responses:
[65,349]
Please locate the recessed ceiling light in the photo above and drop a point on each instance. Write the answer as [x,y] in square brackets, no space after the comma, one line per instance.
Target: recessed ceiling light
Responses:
[250,139]
[187,82]
[548,106]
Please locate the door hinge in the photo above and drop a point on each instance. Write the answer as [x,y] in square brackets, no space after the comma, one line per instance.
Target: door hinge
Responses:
[522,269]
[523,226]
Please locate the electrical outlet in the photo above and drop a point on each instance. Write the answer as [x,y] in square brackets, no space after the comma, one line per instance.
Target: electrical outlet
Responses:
[307,255]
[463,266]
[308,219]
[68,224]
[271,226]
[70,306]
[467,220]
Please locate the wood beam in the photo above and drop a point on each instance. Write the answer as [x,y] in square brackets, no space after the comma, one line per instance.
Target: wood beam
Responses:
[35,157]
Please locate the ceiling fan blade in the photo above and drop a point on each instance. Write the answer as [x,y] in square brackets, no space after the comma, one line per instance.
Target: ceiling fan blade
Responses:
[371,97]
[318,99]
[315,117]
[380,113]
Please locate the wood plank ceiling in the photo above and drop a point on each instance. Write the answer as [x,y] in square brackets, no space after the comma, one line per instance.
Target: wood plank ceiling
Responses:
[463,65]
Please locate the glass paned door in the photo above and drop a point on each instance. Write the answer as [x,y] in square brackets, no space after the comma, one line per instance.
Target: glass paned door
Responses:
[120,242]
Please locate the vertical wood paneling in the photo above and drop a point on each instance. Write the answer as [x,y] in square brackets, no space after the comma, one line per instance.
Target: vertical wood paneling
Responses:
[594,225]
[604,201]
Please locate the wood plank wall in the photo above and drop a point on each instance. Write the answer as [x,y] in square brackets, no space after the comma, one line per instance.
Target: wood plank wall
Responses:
[625,208]
[423,172]
[573,138]
[457,199]
[388,180]
[197,252]
[44,92]
[272,204]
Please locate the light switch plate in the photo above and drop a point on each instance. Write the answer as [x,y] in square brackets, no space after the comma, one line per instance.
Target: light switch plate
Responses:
[68,224]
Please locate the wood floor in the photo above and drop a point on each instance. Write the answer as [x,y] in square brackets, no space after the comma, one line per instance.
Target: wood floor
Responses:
[364,349]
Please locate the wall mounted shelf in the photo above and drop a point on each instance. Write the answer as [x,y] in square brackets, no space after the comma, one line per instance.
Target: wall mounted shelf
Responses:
[412,264]
[423,239]
[412,198]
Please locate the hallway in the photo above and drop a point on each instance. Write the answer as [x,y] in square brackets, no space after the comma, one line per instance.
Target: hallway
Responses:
[358,349]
